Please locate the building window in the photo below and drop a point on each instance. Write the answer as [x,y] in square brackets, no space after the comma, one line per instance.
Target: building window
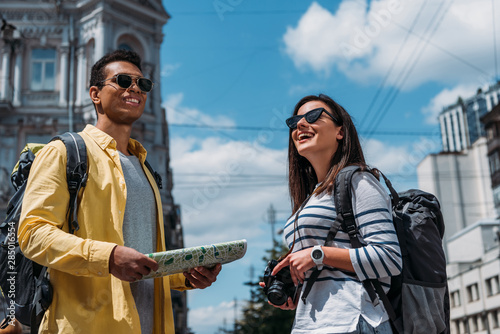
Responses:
[455,298]
[43,69]
[494,318]
[125,46]
[490,133]
[492,287]
[472,292]
[89,57]
[494,160]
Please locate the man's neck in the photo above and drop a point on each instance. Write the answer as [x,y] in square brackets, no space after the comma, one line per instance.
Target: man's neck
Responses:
[119,132]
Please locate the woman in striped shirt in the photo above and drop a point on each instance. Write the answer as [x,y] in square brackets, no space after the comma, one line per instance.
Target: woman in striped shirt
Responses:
[323,140]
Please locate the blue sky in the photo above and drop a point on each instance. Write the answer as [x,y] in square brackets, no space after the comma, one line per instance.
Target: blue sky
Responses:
[232,71]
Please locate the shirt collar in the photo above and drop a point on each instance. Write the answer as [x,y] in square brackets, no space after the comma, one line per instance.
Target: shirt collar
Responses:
[105,141]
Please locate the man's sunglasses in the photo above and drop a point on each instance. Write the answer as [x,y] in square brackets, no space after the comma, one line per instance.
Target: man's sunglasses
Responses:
[310,116]
[125,81]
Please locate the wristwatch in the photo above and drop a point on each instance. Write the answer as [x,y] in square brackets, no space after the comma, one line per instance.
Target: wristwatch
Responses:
[317,256]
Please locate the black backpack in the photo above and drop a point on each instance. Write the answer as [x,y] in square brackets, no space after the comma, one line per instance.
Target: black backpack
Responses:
[418,300]
[25,283]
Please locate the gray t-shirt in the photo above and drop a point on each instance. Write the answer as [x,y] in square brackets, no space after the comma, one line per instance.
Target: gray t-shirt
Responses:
[139,232]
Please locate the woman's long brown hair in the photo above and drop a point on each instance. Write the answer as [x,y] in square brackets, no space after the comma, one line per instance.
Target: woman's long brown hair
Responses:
[301,176]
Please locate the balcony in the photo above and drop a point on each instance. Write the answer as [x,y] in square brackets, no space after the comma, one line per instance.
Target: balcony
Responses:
[40,99]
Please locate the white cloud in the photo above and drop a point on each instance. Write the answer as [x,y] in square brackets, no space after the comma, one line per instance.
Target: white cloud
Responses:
[388,159]
[169,69]
[362,40]
[177,113]
[225,187]
[207,320]
[445,98]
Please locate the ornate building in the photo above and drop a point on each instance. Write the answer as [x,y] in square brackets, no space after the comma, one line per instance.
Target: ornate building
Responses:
[47,48]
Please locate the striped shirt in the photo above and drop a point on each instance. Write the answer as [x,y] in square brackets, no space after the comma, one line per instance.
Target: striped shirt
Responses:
[337,299]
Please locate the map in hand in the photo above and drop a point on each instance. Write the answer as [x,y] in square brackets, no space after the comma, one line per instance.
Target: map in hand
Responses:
[180,260]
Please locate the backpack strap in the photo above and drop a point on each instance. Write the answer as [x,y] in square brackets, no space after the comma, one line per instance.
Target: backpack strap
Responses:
[155,174]
[343,206]
[76,173]
[345,214]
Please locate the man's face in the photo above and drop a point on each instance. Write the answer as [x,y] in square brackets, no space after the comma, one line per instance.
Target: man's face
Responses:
[121,105]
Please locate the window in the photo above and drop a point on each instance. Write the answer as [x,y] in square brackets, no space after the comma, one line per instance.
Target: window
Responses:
[492,287]
[89,57]
[124,46]
[472,293]
[455,298]
[494,160]
[43,68]
[494,318]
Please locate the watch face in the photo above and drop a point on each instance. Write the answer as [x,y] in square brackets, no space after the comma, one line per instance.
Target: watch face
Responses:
[316,254]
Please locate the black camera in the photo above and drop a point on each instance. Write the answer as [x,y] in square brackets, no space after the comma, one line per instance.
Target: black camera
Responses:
[280,286]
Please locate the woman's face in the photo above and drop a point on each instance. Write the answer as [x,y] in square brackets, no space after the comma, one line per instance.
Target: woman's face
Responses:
[317,142]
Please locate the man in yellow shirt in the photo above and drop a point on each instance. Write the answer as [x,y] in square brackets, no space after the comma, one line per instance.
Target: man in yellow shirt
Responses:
[94,271]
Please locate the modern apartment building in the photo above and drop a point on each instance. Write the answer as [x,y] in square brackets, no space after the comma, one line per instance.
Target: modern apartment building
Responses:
[460,122]
[463,177]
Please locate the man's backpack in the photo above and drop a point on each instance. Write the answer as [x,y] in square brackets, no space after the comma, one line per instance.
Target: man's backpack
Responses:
[25,283]
[418,300]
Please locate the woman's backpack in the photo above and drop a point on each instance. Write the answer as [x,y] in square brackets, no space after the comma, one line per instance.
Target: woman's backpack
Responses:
[418,300]
[25,283]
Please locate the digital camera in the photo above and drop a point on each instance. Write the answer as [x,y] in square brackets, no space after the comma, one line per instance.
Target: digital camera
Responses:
[280,286]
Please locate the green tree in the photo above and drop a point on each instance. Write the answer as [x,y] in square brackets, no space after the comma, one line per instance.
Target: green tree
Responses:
[258,316]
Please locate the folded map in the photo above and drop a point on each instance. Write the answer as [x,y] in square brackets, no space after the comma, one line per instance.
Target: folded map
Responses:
[180,260]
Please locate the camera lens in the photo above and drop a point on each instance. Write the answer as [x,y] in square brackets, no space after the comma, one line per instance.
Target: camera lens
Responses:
[276,294]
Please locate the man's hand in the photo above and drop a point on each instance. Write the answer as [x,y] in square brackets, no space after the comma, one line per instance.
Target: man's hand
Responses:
[202,277]
[130,265]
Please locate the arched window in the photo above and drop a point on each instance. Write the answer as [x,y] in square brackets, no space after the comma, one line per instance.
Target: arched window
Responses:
[125,46]
[130,43]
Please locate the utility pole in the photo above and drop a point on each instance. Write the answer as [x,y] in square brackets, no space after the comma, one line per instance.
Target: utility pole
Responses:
[235,313]
[271,213]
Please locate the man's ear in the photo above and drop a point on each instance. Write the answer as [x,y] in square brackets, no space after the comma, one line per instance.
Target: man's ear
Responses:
[94,94]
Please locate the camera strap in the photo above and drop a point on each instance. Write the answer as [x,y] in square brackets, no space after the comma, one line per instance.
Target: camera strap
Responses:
[315,274]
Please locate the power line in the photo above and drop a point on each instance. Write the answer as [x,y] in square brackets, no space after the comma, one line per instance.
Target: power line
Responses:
[263,128]
[240,12]
[382,84]
[391,96]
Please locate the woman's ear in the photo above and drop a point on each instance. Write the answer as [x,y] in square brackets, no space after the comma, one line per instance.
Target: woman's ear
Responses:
[340,134]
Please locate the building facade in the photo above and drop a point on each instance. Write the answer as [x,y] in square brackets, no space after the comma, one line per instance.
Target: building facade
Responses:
[474,279]
[463,177]
[46,51]
[460,122]
[491,123]
[461,181]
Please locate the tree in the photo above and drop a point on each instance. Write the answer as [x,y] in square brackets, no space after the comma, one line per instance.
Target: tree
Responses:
[258,316]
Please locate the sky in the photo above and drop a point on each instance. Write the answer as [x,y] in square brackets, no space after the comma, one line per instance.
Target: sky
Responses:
[232,71]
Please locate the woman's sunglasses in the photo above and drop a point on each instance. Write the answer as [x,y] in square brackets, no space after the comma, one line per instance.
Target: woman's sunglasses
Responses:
[310,116]
[125,81]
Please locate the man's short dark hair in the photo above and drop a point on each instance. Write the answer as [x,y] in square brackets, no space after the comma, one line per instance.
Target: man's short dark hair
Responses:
[97,75]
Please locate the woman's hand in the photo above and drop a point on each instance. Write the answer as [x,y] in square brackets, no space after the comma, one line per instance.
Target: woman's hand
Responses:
[288,305]
[299,263]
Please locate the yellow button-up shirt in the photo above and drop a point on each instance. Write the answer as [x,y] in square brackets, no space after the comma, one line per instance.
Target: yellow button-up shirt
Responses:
[87,298]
